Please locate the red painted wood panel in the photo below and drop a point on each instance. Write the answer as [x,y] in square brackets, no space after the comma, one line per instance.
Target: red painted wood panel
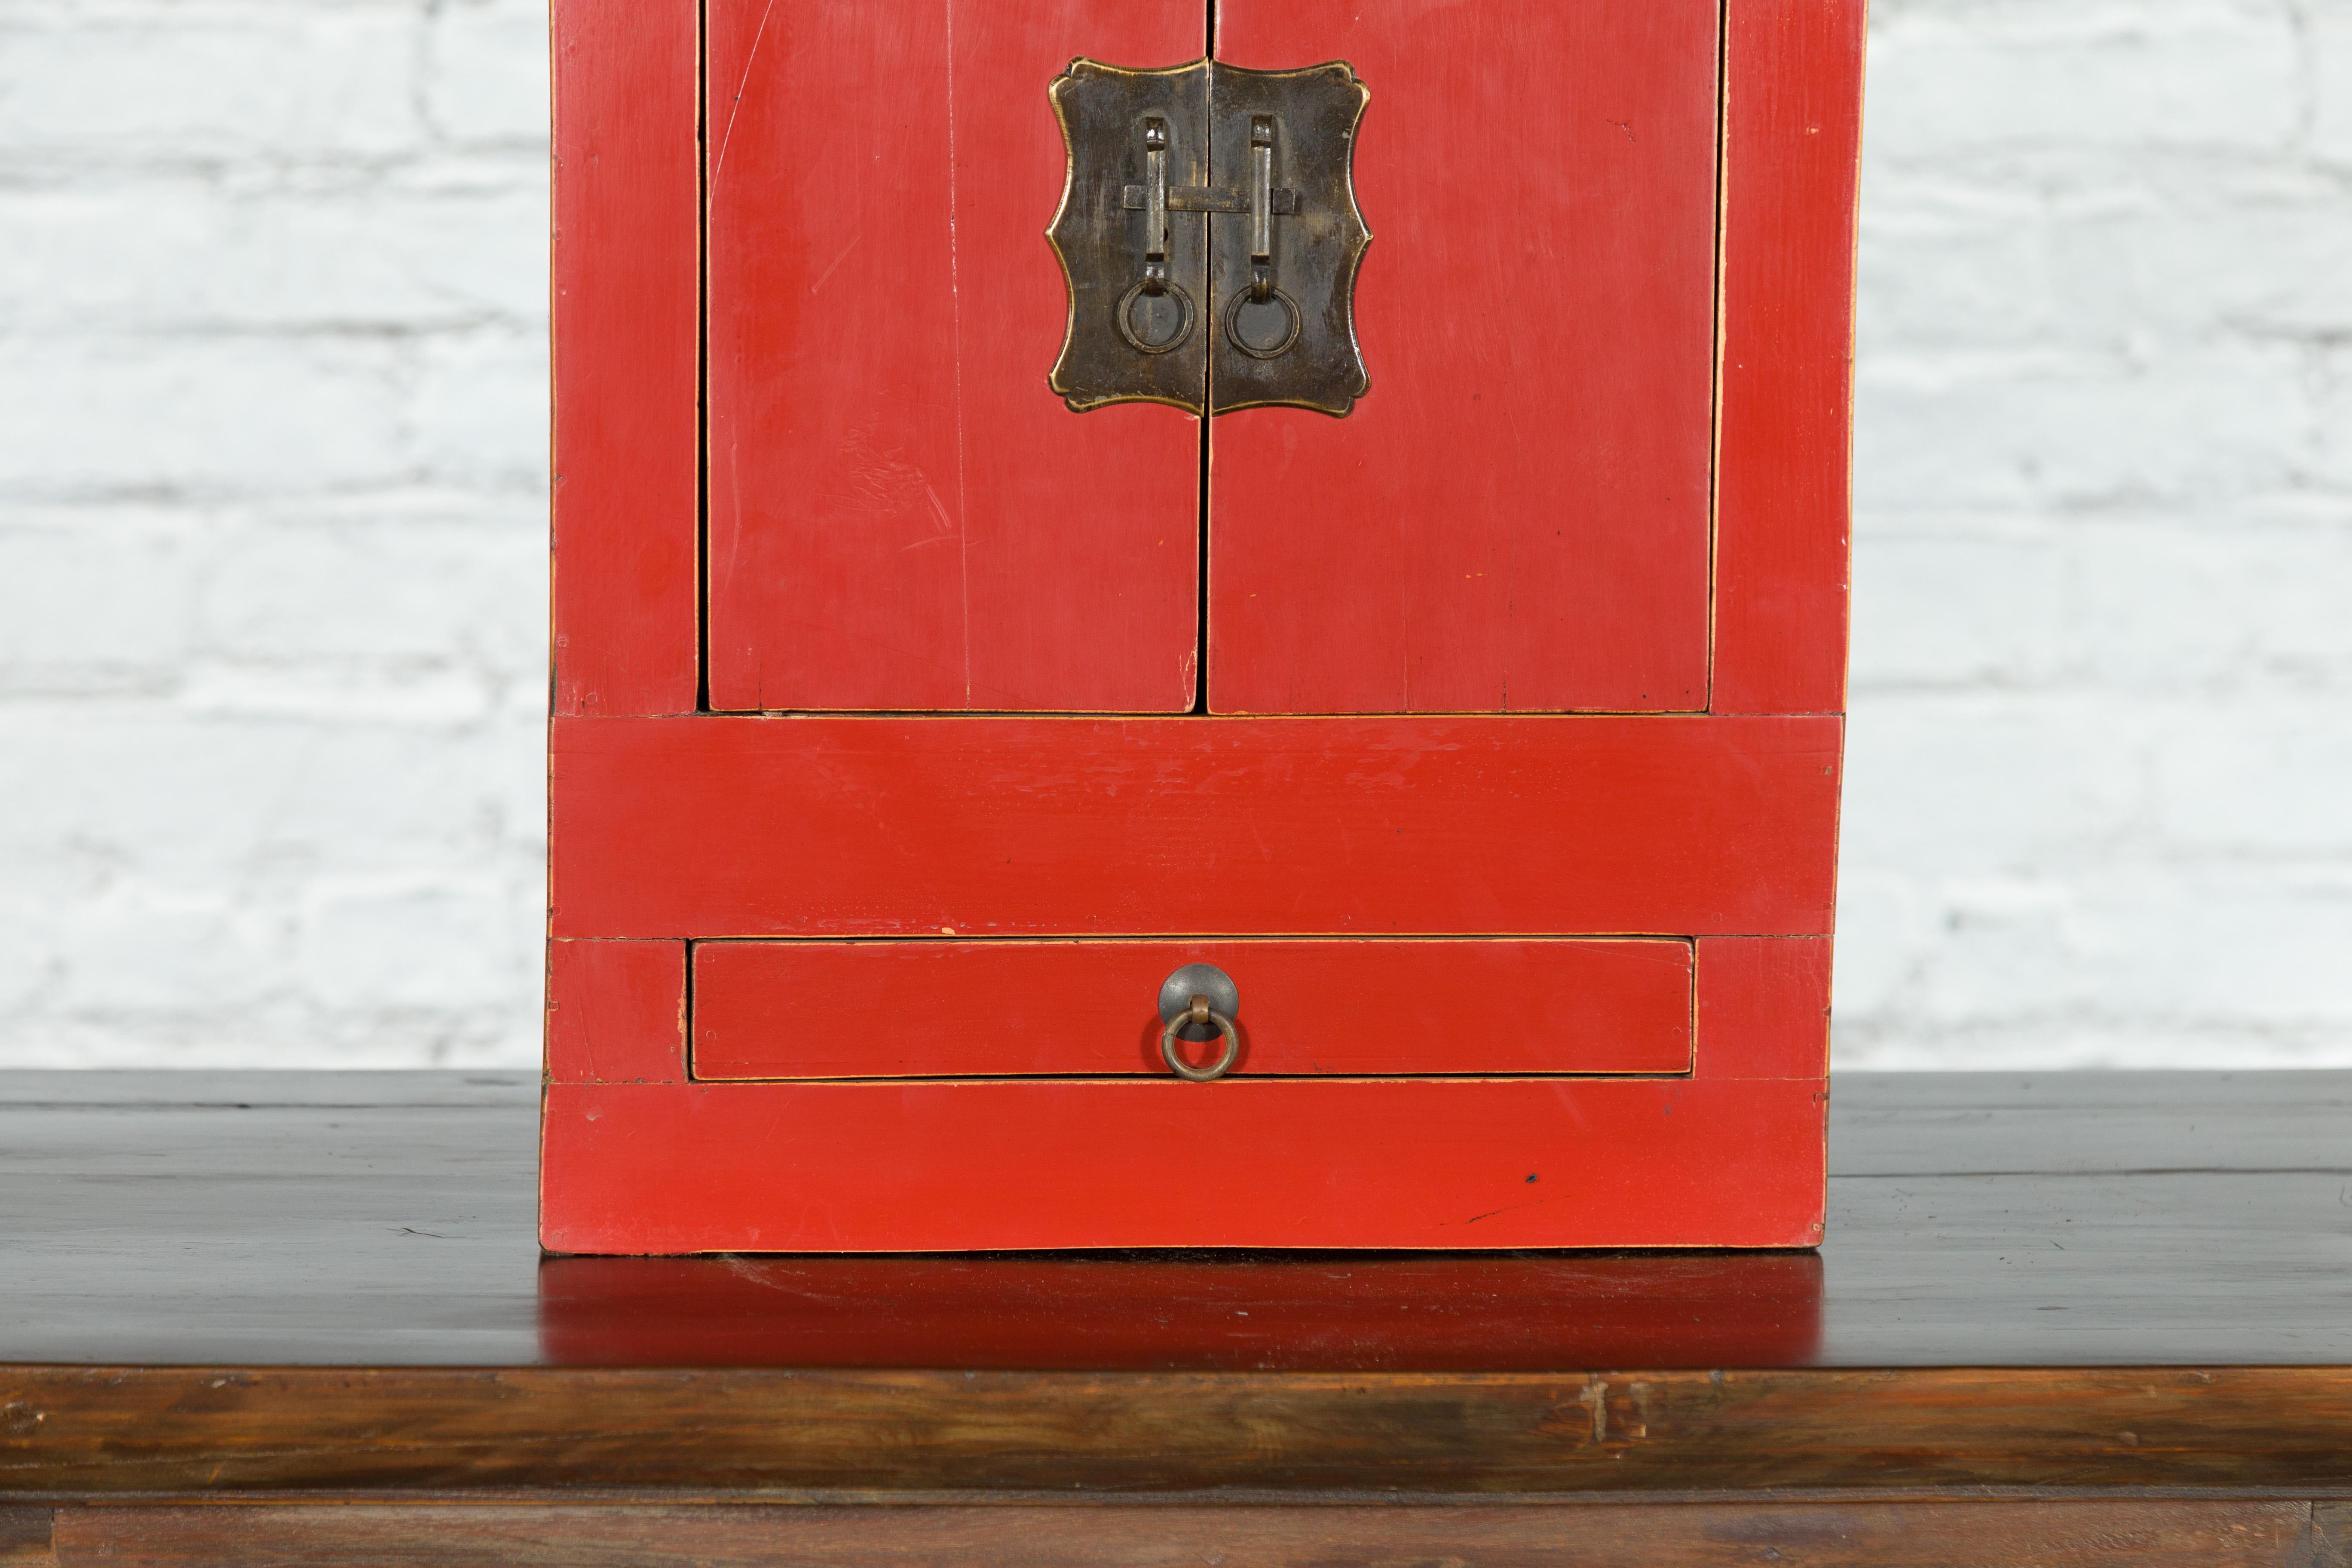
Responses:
[940,1009]
[1515,518]
[615,1012]
[902,515]
[835,827]
[1764,1007]
[625,329]
[1350,1163]
[1791,136]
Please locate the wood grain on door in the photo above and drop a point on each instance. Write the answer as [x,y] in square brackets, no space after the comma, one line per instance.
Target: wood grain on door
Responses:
[902,514]
[1515,518]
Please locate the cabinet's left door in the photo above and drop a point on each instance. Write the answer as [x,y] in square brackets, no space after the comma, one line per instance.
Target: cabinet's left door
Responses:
[902,515]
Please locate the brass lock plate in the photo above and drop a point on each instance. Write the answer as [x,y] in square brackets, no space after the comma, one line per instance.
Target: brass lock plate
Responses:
[1210,237]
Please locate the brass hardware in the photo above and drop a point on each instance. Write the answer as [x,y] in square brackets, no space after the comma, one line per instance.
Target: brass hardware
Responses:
[1155,204]
[1198,1002]
[1126,341]
[1154,284]
[1261,273]
[1150,149]
[1261,205]
[1147,289]
[1274,348]
[1200,1013]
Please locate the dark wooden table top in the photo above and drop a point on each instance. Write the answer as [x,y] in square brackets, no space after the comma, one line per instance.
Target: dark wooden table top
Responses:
[386,1219]
[328,1283]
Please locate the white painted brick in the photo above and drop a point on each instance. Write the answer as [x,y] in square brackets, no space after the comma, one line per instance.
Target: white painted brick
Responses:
[1953,608]
[439,944]
[2140,603]
[1938,431]
[488,76]
[272,669]
[28,964]
[2159,73]
[94,599]
[2020,946]
[2074,1042]
[1954,261]
[479,412]
[2264,943]
[2266,774]
[186,255]
[329,693]
[161,83]
[2103,250]
[117,787]
[2331,378]
[2209,251]
[422,592]
[126,415]
[1991,785]
[98,794]
[2190,943]
[138,947]
[2168,603]
[2330,28]
[381,799]
[1887,928]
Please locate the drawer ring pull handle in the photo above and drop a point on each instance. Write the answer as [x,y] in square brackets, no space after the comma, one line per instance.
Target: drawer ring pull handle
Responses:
[1200,1011]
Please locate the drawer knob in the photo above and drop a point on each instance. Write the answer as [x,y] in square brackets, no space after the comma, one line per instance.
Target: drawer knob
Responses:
[1198,1002]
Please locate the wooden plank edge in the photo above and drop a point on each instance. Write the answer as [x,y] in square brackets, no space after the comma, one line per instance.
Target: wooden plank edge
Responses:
[97,1431]
[1881,1534]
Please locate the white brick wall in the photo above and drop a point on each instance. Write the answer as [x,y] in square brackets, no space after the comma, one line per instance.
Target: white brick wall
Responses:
[2101,737]
[272,537]
[272,534]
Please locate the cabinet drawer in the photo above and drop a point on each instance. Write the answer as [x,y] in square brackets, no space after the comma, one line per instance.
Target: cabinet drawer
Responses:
[1472,1006]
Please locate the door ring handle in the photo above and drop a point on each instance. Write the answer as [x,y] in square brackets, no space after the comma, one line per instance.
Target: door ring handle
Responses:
[1233,323]
[1200,1011]
[1126,309]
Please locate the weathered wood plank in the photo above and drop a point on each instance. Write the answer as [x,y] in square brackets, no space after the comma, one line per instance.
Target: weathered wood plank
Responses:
[2331,1536]
[1683,1535]
[24,1538]
[94,1431]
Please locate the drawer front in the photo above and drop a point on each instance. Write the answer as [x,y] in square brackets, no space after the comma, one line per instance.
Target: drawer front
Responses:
[1354,1008]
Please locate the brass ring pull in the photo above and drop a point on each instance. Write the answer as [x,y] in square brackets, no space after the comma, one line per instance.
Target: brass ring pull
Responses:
[1261,282]
[1149,284]
[1233,324]
[1155,281]
[1200,1011]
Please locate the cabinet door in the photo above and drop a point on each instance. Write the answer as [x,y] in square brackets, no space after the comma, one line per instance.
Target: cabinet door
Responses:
[902,516]
[1517,517]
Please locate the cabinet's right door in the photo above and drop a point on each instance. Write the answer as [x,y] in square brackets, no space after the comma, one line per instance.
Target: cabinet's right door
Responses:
[1517,517]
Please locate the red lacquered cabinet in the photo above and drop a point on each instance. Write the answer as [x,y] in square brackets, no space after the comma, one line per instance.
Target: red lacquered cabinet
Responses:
[1196,625]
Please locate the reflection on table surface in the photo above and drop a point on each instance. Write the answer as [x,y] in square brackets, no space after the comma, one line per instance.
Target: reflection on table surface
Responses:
[1135,1311]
